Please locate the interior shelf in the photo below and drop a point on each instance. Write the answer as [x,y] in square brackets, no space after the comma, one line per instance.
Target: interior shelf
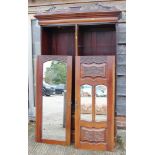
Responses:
[79,40]
[96,40]
[58,40]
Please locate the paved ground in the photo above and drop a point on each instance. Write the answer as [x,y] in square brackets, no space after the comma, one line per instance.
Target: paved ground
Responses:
[46,149]
[53,107]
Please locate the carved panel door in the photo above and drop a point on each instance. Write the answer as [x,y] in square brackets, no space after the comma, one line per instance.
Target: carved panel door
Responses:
[95,98]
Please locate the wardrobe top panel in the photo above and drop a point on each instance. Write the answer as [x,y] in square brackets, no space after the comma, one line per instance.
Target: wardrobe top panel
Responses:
[78,14]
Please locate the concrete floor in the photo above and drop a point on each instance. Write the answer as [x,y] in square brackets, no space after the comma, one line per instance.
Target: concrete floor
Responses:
[46,149]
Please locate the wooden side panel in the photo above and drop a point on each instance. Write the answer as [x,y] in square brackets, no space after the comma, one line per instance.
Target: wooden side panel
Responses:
[45,47]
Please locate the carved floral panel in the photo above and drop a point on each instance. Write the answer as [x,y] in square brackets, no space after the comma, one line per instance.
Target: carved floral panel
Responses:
[92,135]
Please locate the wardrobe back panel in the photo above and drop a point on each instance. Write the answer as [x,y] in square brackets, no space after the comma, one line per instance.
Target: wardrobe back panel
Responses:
[58,40]
[97,40]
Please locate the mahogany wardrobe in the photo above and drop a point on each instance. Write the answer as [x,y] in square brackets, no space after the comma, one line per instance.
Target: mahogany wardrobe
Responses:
[75,89]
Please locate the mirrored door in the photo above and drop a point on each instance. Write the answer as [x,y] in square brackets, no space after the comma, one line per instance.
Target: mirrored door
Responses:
[53,101]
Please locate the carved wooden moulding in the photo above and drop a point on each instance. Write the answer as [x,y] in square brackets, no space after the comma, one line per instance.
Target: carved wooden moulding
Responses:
[93,70]
[54,57]
[78,14]
[93,135]
[93,59]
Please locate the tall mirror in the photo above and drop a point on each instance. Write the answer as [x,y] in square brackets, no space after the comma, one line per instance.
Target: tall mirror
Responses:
[101,103]
[86,102]
[54,100]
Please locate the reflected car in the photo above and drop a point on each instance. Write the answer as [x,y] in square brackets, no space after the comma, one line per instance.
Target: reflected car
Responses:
[47,90]
[59,89]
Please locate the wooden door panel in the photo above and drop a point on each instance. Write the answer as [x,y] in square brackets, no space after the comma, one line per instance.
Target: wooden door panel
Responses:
[62,123]
[92,74]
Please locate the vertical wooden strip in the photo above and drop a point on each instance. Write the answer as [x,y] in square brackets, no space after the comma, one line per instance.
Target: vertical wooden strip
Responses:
[76,40]
[93,103]
[39,100]
[111,101]
[77,103]
[68,102]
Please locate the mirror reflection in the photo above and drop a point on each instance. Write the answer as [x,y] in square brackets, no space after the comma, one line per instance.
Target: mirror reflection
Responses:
[101,103]
[86,102]
[53,100]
